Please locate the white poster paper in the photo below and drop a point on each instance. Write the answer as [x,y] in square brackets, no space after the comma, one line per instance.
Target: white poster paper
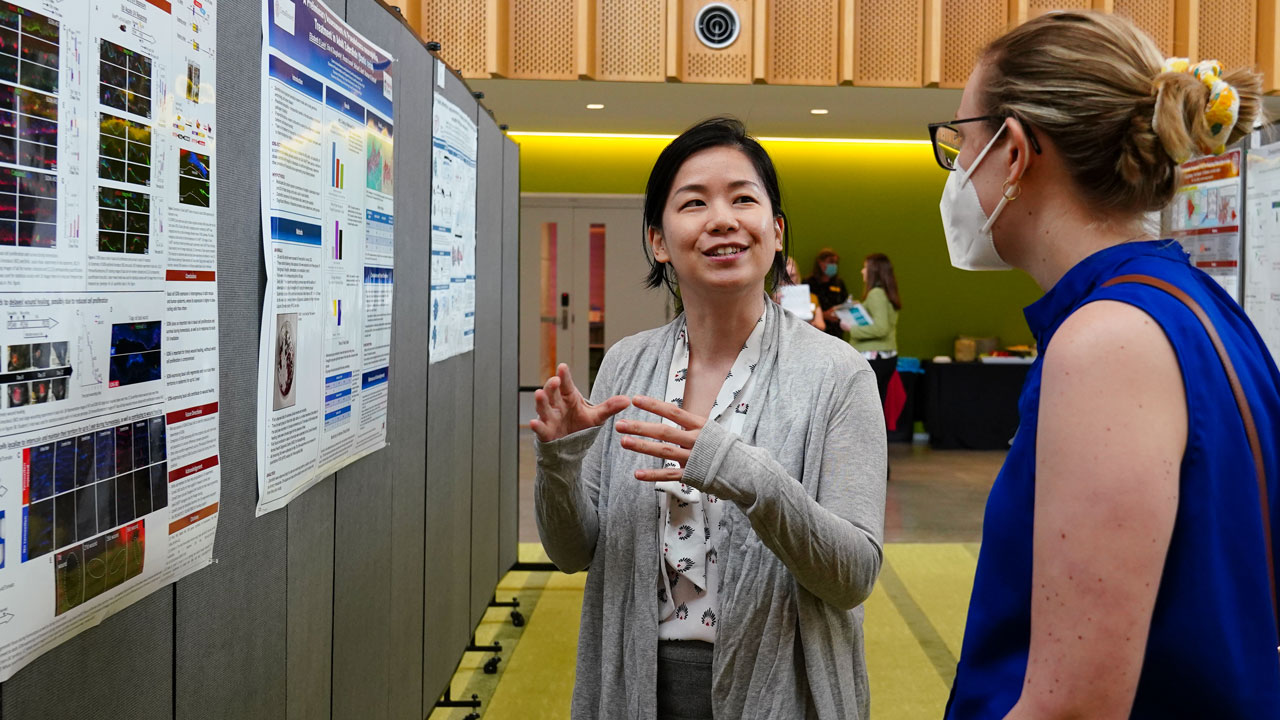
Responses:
[453,231]
[109,468]
[328,239]
[1262,244]
[1205,217]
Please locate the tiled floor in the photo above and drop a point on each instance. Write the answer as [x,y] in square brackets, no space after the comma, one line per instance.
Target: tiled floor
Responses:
[934,495]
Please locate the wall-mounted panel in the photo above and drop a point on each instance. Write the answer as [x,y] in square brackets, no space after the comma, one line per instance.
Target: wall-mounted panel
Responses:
[967,27]
[1036,8]
[410,10]
[699,62]
[630,40]
[886,42]
[1155,17]
[803,42]
[1228,32]
[460,26]
[544,39]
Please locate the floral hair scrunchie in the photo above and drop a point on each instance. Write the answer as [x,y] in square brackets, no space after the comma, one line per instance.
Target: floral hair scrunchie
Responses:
[1222,111]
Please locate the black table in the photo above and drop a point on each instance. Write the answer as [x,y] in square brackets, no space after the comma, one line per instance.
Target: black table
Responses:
[972,406]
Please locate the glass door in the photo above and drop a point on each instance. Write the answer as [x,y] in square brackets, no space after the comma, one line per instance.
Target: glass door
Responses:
[581,284]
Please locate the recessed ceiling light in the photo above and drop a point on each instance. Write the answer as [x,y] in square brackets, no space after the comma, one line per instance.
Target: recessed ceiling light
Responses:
[818,111]
[595,106]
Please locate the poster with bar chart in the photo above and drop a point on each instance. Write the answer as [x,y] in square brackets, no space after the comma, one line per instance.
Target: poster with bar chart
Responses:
[329,240]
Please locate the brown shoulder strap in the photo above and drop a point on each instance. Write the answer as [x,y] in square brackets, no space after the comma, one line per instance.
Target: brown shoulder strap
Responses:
[1242,403]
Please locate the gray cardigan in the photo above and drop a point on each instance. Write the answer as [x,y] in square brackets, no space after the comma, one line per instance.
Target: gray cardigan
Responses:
[802,548]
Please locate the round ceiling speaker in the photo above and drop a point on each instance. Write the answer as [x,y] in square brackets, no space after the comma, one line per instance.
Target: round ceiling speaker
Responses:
[717,25]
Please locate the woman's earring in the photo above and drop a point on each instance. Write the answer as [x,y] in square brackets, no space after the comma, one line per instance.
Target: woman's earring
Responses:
[1012,190]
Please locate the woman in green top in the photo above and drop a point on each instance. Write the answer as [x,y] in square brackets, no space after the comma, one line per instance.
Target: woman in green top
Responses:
[878,342]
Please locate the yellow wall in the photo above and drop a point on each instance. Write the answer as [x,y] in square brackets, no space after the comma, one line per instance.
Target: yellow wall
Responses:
[857,198]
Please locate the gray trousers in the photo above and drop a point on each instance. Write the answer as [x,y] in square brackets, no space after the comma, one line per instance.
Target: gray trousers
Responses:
[684,680]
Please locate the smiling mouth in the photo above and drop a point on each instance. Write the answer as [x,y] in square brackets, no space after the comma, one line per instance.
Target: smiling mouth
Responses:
[725,251]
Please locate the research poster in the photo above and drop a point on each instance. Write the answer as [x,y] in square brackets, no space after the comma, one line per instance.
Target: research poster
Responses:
[109,470]
[1262,243]
[328,222]
[453,230]
[1205,217]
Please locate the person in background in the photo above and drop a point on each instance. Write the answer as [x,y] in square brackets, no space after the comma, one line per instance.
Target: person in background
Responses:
[1127,566]
[793,276]
[878,342]
[825,282]
[725,486]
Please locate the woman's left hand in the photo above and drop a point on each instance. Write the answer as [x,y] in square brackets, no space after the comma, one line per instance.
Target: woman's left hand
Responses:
[672,443]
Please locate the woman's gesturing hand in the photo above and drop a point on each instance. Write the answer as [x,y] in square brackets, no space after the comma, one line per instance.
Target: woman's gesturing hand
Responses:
[563,411]
[673,443]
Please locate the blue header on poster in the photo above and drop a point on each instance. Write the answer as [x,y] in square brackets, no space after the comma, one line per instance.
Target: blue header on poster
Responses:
[296,79]
[380,126]
[374,378]
[441,144]
[378,275]
[343,104]
[310,34]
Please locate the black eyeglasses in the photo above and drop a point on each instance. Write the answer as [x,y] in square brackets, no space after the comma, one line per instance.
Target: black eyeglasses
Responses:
[947,138]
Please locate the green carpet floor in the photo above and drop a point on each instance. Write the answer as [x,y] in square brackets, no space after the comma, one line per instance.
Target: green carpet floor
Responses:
[914,627]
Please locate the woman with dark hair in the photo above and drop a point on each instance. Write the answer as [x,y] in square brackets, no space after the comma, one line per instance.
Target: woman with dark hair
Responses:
[1127,565]
[726,483]
[878,342]
[826,283]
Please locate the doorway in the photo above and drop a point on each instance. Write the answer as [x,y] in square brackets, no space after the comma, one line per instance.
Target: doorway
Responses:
[582,270]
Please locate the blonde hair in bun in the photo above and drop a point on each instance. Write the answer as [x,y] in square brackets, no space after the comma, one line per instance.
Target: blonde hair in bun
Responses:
[1096,85]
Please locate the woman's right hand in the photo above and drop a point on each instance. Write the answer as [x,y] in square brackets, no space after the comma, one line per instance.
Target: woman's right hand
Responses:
[563,411]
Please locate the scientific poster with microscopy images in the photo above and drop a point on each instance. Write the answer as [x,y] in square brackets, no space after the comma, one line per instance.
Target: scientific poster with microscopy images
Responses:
[1205,217]
[328,235]
[109,474]
[453,229]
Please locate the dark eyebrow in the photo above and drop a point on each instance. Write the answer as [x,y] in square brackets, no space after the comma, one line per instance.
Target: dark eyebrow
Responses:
[694,187]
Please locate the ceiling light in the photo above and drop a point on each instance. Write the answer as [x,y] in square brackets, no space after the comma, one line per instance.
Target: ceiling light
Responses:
[632,136]
[818,111]
[595,106]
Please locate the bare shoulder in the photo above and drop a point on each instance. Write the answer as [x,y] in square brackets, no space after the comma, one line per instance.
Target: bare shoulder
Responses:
[1111,382]
[1107,338]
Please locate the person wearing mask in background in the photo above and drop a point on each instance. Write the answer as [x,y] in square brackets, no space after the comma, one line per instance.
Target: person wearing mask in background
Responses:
[793,276]
[878,342]
[825,282]
[1126,568]
[732,515]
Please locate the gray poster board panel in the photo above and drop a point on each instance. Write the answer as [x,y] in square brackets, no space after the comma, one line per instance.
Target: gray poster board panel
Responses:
[509,489]
[231,618]
[446,616]
[407,431]
[120,669]
[309,597]
[365,636]
[486,454]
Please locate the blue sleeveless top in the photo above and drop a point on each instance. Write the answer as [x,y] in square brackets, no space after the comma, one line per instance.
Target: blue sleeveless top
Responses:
[1212,648]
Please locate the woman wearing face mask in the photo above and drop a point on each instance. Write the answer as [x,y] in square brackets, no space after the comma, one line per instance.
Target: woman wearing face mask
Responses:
[1126,566]
[826,283]
[725,484]
[793,278]
[878,342]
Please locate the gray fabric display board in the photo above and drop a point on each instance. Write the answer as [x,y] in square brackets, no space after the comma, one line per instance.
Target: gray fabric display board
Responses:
[358,599]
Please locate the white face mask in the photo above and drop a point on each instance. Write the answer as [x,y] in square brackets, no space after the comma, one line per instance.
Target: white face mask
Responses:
[967,228]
